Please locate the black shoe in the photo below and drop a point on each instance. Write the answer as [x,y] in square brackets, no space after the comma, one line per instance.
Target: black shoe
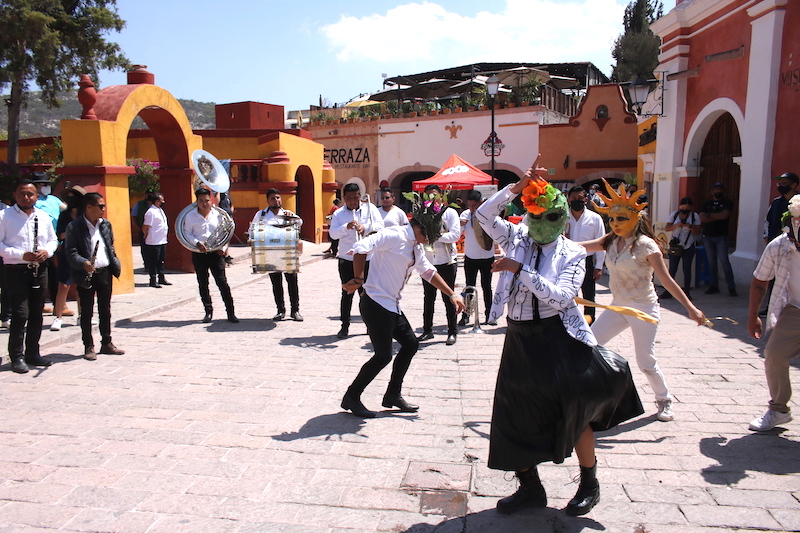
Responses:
[531,493]
[395,400]
[666,295]
[354,405]
[163,281]
[228,260]
[344,332]
[296,316]
[712,290]
[207,317]
[588,494]
[19,366]
[464,320]
[232,318]
[280,315]
[451,340]
[154,284]
[732,293]
[37,360]
[426,336]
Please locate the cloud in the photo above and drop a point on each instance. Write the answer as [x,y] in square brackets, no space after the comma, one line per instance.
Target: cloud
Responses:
[518,30]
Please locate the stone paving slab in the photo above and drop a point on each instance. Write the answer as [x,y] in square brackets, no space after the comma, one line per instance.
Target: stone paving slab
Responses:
[237,427]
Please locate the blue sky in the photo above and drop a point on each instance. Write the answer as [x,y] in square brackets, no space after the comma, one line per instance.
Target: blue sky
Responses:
[292,52]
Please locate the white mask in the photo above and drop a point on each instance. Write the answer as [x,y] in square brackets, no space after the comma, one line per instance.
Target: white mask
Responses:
[46,190]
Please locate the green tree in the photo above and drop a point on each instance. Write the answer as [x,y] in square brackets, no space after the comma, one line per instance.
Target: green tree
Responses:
[51,43]
[636,50]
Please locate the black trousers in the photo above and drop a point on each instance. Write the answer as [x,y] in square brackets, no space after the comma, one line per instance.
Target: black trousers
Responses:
[589,287]
[102,281]
[52,279]
[345,275]
[448,273]
[277,290]
[156,254]
[484,266]
[5,304]
[214,263]
[26,297]
[382,327]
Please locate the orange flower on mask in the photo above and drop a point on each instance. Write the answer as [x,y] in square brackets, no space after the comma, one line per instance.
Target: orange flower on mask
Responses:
[536,197]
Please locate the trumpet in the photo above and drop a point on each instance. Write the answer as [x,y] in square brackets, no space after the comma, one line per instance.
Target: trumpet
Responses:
[471,304]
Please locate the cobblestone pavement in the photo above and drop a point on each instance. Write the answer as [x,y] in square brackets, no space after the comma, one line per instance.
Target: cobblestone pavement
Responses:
[237,427]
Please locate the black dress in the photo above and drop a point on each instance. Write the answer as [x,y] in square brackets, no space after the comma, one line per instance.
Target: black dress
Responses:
[550,387]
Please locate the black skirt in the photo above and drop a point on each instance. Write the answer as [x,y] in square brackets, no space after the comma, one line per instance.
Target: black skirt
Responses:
[550,387]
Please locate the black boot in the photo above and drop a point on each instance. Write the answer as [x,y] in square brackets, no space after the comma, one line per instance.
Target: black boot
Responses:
[352,402]
[529,494]
[391,399]
[209,315]
[18,365]
[588,494]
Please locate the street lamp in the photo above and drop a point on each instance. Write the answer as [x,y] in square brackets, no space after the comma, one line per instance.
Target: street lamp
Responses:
[492,86]
[639,89]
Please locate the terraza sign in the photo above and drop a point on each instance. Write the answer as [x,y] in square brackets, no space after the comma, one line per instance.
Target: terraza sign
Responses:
[348,157]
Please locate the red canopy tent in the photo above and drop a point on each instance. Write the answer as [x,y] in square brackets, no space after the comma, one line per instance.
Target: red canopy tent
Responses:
[456,174]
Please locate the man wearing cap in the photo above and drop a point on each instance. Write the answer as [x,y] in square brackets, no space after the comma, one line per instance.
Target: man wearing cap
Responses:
[52,205]
[787,187]
[715,217]
[780,262]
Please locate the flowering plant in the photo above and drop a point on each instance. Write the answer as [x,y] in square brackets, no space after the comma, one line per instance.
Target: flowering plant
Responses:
[539,196]
[794,206]
[145,177]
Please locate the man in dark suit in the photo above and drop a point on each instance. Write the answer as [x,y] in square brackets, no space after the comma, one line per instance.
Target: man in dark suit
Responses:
[90,250]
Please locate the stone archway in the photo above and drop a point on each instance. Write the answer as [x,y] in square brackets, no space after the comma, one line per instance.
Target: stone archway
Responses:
[95,156]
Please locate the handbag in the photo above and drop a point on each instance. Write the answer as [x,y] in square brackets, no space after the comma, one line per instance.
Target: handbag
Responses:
[675,247]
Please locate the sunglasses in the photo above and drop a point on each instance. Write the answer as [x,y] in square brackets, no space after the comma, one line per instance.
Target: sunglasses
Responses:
[101,206]
[386,198]
[552,217]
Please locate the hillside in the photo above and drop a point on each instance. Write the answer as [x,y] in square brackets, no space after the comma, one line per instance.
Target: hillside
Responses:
[37,120]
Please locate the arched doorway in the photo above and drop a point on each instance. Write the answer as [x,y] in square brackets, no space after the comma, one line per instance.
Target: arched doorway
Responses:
[721,145]
[402,183]
[305,201]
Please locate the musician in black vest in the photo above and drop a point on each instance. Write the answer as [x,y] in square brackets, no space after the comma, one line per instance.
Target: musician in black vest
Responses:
[89,245]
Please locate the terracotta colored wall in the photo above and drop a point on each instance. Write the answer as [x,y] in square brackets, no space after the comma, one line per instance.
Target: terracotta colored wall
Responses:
[249,115]
[785,153]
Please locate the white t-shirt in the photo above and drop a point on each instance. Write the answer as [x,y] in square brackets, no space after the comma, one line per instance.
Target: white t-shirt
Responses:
[472,249]
[394,217]
[157,220]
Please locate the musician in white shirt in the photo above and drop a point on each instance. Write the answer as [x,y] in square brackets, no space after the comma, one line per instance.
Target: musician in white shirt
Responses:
[198,226]
[478,254]
[349,224]
[391,214]
[27,239]
[155,231]
[276,215]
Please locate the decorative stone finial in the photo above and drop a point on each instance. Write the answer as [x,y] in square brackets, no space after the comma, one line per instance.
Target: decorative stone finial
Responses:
[87,96]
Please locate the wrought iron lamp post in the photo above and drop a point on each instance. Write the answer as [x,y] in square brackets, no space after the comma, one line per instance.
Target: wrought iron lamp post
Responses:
[492,87]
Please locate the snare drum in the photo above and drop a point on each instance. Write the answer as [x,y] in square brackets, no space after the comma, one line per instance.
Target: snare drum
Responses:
[274,248]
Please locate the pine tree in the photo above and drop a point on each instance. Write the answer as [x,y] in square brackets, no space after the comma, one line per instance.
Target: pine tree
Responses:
[51,43]
[636,50]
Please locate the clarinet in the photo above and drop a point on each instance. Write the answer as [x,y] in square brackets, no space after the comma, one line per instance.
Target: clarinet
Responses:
[35,265]
[92,260]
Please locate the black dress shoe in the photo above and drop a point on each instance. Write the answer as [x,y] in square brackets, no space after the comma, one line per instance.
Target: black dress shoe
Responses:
[280,315]
[712,290]
[232,318]
[37,360]
[426,336]
[162,281]
[464,320]
[19,366]
[207,317]
[732,292]
[354,405]
[155,285]
[451,340]
[344,332]
[296,316]
[395,400]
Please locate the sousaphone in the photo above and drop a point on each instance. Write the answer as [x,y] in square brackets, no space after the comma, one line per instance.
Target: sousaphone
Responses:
[213,175]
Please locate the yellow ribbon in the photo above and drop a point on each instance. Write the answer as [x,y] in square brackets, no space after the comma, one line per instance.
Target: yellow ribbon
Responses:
[636,313]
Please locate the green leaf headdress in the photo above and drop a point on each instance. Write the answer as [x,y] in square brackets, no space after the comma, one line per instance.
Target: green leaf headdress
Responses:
[428,212]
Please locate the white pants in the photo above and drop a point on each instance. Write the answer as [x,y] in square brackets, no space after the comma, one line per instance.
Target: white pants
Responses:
[610,324]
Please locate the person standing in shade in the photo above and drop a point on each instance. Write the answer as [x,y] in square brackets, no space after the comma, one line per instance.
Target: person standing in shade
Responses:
[478,255]
[198,226]
[715,217]
[53,206]
[586,225]
[787,188]
[395,252]
[155,229]
[350,224]
[333,249]
[89,247]
[74,197]
[276,215]
[555,385]
[686,228]
[390,213]
[441,253]
[27,240]
[137,214]
[780,262]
